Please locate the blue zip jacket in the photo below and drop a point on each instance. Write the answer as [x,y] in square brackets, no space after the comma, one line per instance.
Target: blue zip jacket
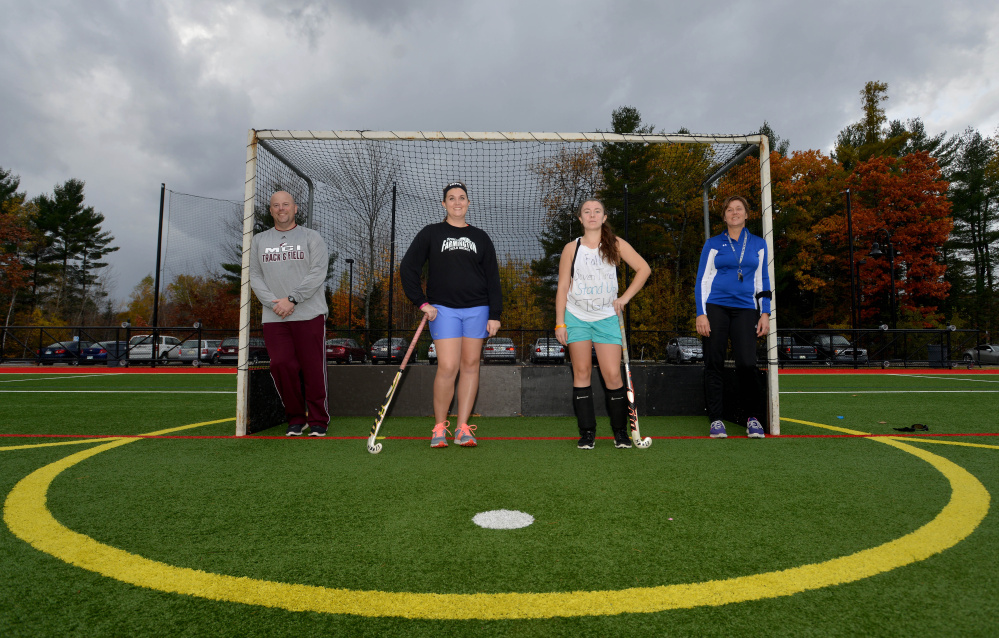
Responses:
[718,278]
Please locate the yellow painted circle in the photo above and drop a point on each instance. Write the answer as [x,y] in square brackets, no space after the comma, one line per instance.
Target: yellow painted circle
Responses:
[27,516]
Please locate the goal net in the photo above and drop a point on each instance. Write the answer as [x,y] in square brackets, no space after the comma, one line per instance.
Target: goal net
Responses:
[368,193]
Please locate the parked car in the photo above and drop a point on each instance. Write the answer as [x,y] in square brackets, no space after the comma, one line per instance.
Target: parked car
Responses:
[61,352]
[142,349]
[432,354]
[837,348]
[684,350]
[380,352]
[197,353]
[499,349]
[984,353]
[98,353]
[344,350]
[790,349]
[547,350]
[228,351]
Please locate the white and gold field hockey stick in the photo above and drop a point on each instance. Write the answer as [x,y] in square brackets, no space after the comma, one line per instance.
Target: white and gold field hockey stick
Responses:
[636,436]
[373,447]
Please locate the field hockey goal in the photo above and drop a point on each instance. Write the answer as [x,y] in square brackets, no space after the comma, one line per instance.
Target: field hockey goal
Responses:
[369,192]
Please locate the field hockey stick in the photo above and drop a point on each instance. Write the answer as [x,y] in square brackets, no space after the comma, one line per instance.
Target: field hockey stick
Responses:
[373,447]
[636,436]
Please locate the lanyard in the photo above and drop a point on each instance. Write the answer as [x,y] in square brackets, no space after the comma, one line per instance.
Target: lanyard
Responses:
[745,236]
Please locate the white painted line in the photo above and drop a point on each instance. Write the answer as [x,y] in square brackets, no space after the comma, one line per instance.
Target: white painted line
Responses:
[927,376]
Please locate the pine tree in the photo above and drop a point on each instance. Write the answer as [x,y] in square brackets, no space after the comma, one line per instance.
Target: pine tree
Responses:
[971,248]
[69,244]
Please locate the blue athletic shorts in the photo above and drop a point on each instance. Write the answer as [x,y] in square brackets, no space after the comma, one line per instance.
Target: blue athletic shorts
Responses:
[452,323]
[604,331]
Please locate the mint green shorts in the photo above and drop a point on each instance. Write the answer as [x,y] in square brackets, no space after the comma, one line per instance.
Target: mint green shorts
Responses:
[604,331]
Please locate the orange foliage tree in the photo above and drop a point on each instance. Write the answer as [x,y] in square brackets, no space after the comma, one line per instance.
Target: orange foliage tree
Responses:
[906,198]
[13,235]
[805,190]
[208,300]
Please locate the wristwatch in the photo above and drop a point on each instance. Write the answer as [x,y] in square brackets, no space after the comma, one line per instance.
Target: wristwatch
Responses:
[293,300]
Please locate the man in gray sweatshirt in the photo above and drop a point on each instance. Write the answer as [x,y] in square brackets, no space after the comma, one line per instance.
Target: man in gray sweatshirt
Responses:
[288,269]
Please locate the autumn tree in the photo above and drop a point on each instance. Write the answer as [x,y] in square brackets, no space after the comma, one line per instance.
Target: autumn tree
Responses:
[805,189]
[208,300]
[341,305]
[905,198]
[15,215]
[139,310]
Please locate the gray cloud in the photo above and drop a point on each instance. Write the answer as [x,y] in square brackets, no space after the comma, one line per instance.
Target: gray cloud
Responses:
[128,95]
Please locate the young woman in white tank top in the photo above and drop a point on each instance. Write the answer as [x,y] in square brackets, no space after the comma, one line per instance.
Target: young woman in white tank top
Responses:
[586,307]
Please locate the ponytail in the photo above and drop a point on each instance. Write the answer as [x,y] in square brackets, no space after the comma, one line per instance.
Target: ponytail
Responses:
[608,245]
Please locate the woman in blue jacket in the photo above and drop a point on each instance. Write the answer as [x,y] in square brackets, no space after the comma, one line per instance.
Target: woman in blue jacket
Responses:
[732,296]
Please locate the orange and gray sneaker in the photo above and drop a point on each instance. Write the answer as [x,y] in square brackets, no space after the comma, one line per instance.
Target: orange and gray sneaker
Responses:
[439,437]
[463,435]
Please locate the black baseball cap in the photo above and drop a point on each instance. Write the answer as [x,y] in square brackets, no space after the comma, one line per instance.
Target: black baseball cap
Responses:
[451,185]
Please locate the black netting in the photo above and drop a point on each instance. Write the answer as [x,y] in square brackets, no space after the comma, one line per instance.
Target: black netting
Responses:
[524,194]
[200,235]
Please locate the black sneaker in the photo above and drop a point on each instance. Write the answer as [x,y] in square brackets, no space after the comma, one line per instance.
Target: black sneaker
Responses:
[586,440]
[317,430]
[622,441]
[294,430]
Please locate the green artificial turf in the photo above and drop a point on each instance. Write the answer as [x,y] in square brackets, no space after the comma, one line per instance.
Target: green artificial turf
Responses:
[325,512]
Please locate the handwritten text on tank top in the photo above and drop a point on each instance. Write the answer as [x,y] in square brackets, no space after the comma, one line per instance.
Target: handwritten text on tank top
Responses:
[592,292]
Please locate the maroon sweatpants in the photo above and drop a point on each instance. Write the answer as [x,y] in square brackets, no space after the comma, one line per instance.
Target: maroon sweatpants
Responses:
[298,354]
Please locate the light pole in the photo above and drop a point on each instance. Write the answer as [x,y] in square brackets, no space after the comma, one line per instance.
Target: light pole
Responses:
[854,315]
[876,252]
[350,297]
[860,291]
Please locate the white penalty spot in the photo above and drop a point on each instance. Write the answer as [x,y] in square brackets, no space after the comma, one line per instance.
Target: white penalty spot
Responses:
[502,519]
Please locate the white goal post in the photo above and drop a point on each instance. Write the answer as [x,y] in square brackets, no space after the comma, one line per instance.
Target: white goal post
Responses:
[313,174]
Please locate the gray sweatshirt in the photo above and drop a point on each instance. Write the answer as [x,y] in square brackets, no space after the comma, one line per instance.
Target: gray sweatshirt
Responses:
[293,262]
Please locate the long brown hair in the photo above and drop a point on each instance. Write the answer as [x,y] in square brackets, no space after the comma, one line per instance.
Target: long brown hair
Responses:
[608,240]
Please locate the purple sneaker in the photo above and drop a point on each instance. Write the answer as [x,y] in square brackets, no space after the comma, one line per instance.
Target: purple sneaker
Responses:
[754,429]
[718,430]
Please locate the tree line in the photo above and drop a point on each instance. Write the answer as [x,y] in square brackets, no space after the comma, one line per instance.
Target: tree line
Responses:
[932,198]
[52,251]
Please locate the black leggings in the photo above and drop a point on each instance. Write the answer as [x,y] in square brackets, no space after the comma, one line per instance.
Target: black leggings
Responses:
[739,325]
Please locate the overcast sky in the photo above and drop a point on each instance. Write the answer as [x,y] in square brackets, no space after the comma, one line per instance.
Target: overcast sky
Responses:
[128,94]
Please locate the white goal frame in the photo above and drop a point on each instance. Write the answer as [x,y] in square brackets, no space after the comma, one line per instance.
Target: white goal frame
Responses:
[257,136]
